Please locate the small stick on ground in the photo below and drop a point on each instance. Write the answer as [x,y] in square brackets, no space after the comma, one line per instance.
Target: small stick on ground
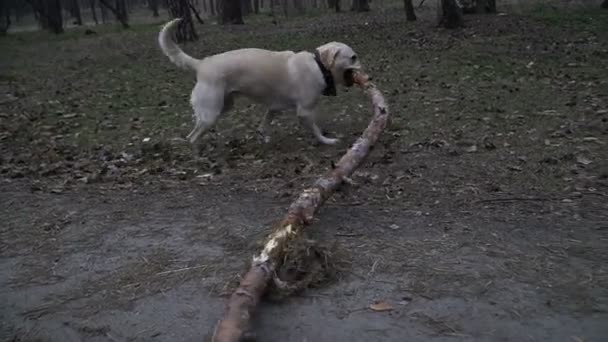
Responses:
[236,324]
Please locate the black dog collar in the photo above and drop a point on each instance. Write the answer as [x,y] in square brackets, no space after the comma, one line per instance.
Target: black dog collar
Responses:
[330,85]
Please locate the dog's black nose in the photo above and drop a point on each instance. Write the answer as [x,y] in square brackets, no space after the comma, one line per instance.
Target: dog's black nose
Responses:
[370,78]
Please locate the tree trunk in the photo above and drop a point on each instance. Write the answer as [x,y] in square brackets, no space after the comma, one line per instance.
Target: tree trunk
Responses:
[297,4]
[75,12]
[256,6]
[265,266]
[451,14]
[94,12]
[48,13]
[491,8]
[5,17]
[120,11]
[360,6]
[410,15]
[123,10]
[104,13]
[197,15]
[185,28]
[246,7]
[231,12]
[480,6]
[153,4]
[605,4]
[212,8]
[337,5]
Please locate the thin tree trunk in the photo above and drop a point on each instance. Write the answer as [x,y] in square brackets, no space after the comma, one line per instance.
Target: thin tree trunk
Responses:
[94,12]
[297,4]
[104,13]
[5,17]
[605,4]
[246,7]
[212,8]
[236,323]
[153,4]
[492,6]
[196,14]
[120,12]
[451,14]
[360,6]
[49,14]
[185,29]
[410,15]
[75,11]
[337,6]
[256,6]
[231,12]
[123,9]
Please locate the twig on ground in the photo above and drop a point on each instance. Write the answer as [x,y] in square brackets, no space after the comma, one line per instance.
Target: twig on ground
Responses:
[515,199]
[181,269]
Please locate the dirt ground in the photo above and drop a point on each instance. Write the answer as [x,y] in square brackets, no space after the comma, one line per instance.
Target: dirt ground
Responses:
[481,216]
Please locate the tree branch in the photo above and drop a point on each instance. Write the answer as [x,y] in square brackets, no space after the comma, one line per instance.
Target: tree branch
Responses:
[236,323]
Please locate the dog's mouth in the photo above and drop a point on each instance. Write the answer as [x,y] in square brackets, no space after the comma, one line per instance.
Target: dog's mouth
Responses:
[349,79]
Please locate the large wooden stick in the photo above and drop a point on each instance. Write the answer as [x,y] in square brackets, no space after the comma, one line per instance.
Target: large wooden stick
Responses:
[236,324]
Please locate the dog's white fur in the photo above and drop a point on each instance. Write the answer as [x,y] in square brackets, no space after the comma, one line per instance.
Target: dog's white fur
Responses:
[280,80]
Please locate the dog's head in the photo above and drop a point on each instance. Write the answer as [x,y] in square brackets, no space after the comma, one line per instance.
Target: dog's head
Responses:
[341,60]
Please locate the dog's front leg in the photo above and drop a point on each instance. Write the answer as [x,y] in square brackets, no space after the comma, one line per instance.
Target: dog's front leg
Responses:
[307,117]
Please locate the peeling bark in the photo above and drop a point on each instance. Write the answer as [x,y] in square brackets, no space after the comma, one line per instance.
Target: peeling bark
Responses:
[236,324]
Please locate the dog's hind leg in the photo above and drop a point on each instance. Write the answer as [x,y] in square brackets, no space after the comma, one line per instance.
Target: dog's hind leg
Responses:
[208,104]
[307,117]
[264,127]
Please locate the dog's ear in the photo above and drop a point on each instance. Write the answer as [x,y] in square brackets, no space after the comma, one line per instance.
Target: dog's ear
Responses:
[329,55]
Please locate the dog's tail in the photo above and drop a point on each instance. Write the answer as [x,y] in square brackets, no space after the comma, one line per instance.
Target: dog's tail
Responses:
[171,49]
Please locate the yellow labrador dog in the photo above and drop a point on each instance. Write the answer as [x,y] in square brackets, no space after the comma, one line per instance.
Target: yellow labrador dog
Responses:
[280,80]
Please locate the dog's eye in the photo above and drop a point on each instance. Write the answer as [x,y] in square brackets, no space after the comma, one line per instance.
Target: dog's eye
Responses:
[353,59]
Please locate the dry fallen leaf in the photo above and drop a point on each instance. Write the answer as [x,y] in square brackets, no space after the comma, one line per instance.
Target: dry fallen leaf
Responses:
[583,160]
[381,306]
[471,149]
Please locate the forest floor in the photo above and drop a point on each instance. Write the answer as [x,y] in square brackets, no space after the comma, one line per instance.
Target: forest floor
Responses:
[482,215]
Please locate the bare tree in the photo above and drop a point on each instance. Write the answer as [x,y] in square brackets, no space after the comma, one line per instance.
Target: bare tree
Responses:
[410,15]
[153,5]
[360,5]
[197,15]
[120,11]
[334,4]
[246,7]
[5,16]
[231,12]
[48,13]
[212,7]
[487,6]
[299,6]
[104,13]
[75,12]
[93,11]
[185,29]
[451,14]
